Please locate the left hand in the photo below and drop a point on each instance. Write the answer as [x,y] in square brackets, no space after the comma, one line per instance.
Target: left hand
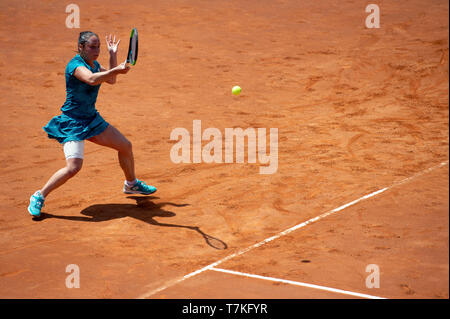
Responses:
[111,44]
[122,68]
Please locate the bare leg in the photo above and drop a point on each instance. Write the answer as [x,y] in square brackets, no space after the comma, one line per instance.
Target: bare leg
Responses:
[111,137]
[126,161]
[73,166]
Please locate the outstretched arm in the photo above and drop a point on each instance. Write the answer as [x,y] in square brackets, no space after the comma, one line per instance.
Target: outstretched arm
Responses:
[84,74]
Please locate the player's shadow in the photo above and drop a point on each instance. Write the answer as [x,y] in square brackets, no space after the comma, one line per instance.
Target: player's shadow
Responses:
[144,209]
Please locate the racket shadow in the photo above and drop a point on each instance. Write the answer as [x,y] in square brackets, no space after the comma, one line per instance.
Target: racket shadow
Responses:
[144,210]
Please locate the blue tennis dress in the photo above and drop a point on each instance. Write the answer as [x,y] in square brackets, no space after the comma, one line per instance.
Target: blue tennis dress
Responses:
[79,119]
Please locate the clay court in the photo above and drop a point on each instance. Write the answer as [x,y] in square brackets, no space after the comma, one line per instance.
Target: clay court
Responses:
[363,146]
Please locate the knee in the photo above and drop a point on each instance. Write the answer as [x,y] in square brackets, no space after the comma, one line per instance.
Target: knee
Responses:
[74,167]
[126,147]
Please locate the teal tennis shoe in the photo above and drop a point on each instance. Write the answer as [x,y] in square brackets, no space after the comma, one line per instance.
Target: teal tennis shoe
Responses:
[36,204]
[139,188]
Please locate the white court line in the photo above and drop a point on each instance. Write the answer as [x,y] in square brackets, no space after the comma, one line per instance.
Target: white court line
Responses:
[283,233]
[297,283]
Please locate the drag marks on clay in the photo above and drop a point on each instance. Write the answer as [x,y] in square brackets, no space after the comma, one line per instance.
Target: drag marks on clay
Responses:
[407,290]
[312,80]
[277,204]
[403,127]
[444,57]
[35,243]
[71,204]
[40,162]
[48,84]
[351,142]
[13,273]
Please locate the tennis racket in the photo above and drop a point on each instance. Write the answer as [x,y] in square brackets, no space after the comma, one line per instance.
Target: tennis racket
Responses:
[133,47]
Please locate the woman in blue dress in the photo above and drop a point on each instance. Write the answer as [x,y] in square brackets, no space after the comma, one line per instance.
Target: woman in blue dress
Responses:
[80,121]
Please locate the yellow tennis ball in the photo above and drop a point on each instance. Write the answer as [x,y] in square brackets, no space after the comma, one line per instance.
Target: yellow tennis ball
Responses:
[236,90]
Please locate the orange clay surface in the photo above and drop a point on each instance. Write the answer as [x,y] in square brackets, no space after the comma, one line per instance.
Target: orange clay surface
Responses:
[356,110]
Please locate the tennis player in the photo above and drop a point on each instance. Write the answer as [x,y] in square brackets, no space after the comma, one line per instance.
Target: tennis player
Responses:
[81,121]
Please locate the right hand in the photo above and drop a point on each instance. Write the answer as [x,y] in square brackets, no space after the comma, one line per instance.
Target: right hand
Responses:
[123,68]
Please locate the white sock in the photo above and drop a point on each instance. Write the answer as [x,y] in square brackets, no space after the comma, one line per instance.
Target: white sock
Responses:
[130,184]
[40,194]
